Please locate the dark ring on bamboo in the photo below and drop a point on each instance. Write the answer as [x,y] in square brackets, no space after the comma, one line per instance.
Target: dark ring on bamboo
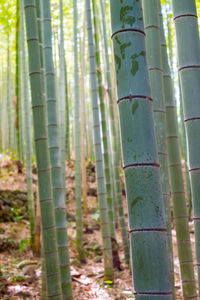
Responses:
[130,97]
[152,26]
[33,73]
[160,111]
[170,106]
[172,137]
[166,194]
[41,139]
[44,170]
[53,147]
[60,208]
[175,165]
[30,5]
[47,47]
[57,188]
[38,106]
[162,153]
[45,200]
[189,67]
[50,252]
[51,100]
[49,227]
[50,73]
[186,262]
[142,165]
[148,230]
[192,119]
[195,169]
[174,193]
[167,75]
[185,15]
[196,219]
[32,39]
[154,293]
[53,125]
[155,69]
[128,29]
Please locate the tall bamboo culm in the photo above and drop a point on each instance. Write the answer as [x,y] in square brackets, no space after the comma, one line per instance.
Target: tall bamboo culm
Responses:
[153,46]
[62,98]
[104,126]
[28,131]
[188,48]
[82,92]
[17,89]
[42,156]
[148,235]
[99,164]
[176,178]
[78,181]
[58,186]
[115,153]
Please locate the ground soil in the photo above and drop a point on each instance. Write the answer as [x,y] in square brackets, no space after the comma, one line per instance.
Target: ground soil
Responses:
[20,270]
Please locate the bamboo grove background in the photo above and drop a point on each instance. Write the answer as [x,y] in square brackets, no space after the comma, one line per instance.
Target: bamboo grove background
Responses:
[70,70]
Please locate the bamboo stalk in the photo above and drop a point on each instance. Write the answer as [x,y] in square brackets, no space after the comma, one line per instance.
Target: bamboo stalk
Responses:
[78,179]
[188,48]
[101,186]
[154,59]
[147,226]
[42,155]
[58,186]
[115,153]
[176,179]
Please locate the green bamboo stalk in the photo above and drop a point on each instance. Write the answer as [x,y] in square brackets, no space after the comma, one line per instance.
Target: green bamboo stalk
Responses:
[82,91]
[27,131]
[153,47]
[62,98]
[184,153]
[176,180]
[17,122]
[42,155]
[8,116]
[78,180]
[103,122]
[101,186]
[188,48]
[150,263]
[58,184]
[67,116]
[169,30]
[116,169]
[182,126]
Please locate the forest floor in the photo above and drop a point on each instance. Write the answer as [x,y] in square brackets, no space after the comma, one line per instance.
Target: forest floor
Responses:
[20,270]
